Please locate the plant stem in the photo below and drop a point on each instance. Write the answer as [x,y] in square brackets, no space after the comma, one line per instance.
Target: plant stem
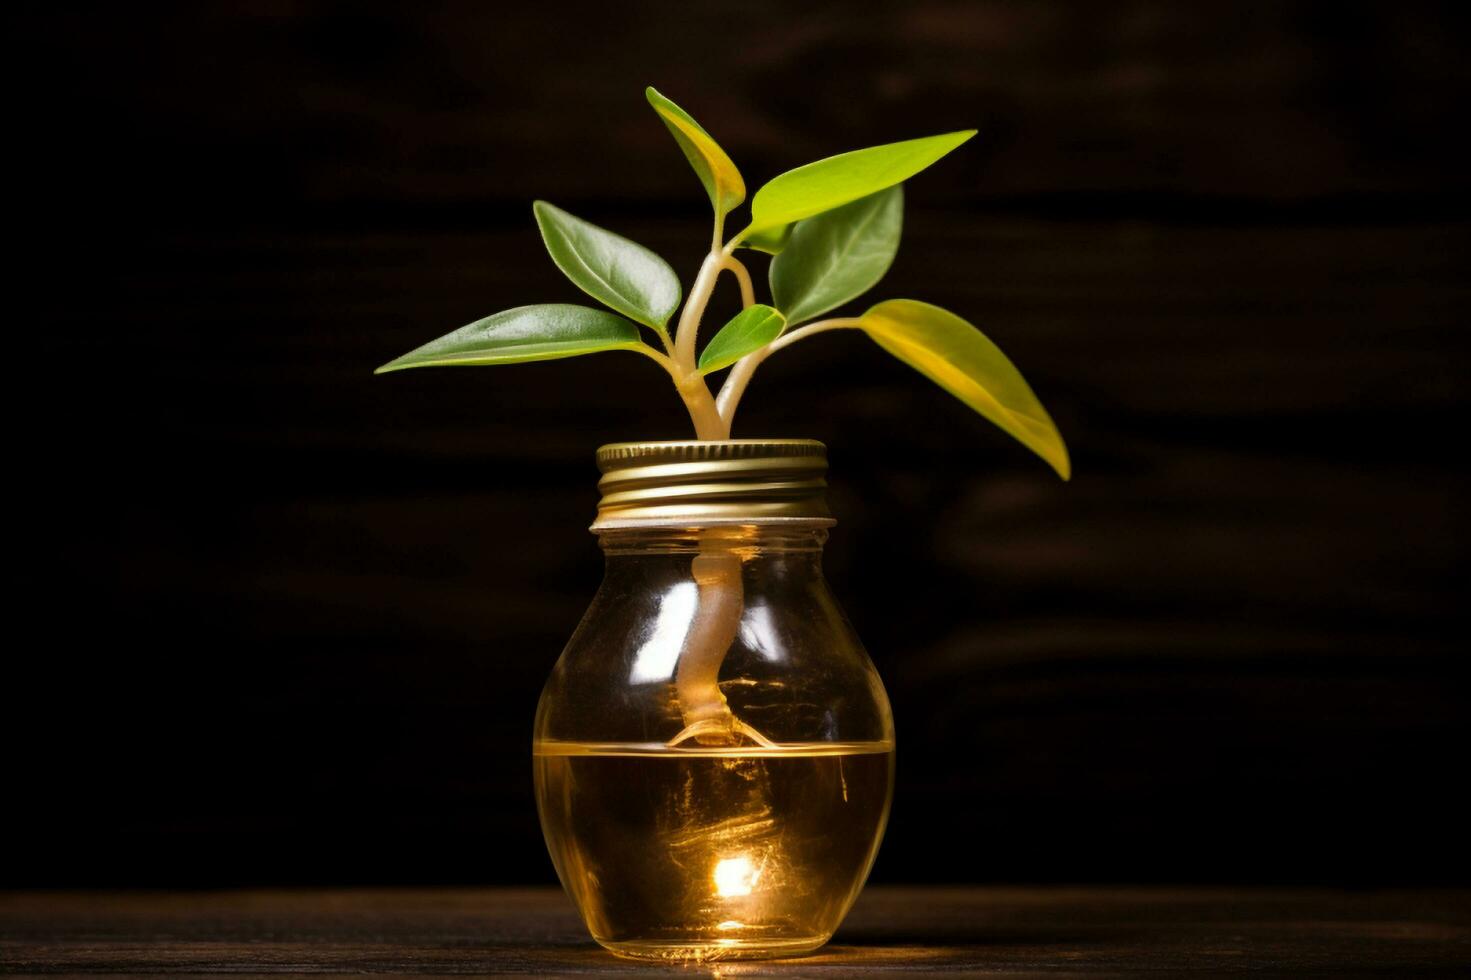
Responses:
[716,569]
[667,342]
[701,405]
[694,308]
[687,377]
[716,623]
[717,618]
[740,374]
[743,277]
[663,360]
[694,392]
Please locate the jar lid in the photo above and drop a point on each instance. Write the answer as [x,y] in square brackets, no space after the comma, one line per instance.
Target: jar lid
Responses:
[705,482]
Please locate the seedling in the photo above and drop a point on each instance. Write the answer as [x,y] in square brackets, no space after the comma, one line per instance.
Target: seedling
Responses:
[832,228]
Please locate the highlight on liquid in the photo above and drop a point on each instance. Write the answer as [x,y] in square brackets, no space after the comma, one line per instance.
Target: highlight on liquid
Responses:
[707,852]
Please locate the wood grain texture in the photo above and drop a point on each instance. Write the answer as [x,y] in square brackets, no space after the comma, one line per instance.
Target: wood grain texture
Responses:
[1092,932]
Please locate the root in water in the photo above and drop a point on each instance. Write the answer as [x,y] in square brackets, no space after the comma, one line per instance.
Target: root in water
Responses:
[720,731]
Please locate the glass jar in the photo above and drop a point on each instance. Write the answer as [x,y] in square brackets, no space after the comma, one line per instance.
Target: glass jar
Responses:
[714,749]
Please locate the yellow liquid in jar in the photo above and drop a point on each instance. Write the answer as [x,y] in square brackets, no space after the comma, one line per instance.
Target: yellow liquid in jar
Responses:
[698,853]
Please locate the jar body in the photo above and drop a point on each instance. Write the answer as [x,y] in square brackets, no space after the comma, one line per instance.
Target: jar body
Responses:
[714,749]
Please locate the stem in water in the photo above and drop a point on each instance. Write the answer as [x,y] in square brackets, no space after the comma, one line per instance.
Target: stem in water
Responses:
[717,569]
[718,607]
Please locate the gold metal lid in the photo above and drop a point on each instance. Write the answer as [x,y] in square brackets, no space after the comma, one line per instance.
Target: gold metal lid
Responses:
[700,483]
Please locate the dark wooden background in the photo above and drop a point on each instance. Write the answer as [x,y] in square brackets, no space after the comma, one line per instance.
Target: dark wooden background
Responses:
[276,620]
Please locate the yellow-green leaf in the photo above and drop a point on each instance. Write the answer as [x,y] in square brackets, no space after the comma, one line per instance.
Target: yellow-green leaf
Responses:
[838,255]
[526,333]
[754,327]
[716,171]
[770,241]
[833,182]
[960,359]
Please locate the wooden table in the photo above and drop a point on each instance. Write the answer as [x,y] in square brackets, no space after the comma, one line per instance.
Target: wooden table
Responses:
[1054,932]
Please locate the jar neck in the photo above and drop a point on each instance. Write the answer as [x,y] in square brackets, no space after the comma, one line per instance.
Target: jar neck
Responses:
[704,483]
[746,541]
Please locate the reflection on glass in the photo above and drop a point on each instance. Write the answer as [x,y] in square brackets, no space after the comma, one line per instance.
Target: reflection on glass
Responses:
[656,659]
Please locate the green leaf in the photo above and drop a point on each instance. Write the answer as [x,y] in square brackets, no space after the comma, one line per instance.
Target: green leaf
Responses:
[833,182]
[959,358]
[619,273]
[526,333]
[752,328]
[771,241]
[837,255]
[716,171]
